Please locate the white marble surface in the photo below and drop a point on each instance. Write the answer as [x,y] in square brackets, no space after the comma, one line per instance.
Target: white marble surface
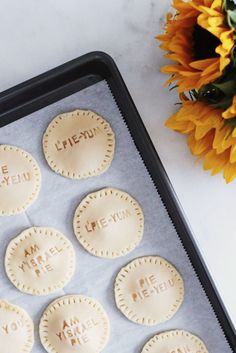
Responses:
[39,35]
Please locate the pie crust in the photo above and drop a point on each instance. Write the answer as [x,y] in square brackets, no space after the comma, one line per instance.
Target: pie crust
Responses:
[20,180]
[74,323]
[17,329]
[40,261]
[79,144]
[177,341]
[109,223]
[149,290]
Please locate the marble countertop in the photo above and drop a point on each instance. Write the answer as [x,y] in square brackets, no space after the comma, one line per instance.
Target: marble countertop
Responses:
[39,35]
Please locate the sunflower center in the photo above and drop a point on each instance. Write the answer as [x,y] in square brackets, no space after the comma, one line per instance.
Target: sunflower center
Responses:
[205,43]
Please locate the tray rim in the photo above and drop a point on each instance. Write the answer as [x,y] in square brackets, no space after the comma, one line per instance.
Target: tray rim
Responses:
[83,72]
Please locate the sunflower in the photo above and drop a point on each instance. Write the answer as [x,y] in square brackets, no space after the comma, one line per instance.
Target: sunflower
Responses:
[230,113]
[199,40]
[209,137]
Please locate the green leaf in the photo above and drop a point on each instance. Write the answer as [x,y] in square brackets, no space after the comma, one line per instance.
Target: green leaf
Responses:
[220,93]
[229,5]
[231,18]
[233,56]
[210,94]
[223,104]
[228,87]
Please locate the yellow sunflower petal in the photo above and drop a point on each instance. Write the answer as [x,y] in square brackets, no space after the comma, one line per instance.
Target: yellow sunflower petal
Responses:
[217,4]
[204,65]
[209,137]
[178,42]
[180,126]
[223,139]
[198,147]
[215,162]
[233,154]
[231,111]
[230,172]
[234,132]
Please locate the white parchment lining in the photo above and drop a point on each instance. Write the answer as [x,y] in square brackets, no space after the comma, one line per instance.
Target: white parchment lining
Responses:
[94,277]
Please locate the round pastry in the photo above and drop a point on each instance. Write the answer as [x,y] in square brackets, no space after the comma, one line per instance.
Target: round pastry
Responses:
[79,144]
[149,290]
[20,180]
[109,223]
[17,329]
[177,341]
[74,323]
[40,261]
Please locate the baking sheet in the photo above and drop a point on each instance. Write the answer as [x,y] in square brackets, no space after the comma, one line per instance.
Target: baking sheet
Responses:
[95,277]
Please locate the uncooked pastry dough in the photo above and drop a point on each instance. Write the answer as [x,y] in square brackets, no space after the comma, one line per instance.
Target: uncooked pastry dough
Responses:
[79,144]
[40,261]
[20,180]
[109,223]
[149,290]
[74,323]
[176,341]
[16,329]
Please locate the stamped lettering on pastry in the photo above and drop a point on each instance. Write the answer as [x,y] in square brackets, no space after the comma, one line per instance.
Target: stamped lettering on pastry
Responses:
[40,261]
[74,323]
[149,290]
[16,329]
[109,223]
[79,144]
[20,180]
[176,341]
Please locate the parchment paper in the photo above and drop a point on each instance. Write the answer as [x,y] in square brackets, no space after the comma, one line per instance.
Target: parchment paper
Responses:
[94,277]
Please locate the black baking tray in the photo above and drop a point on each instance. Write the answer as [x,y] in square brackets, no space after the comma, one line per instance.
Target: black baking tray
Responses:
[83,72]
